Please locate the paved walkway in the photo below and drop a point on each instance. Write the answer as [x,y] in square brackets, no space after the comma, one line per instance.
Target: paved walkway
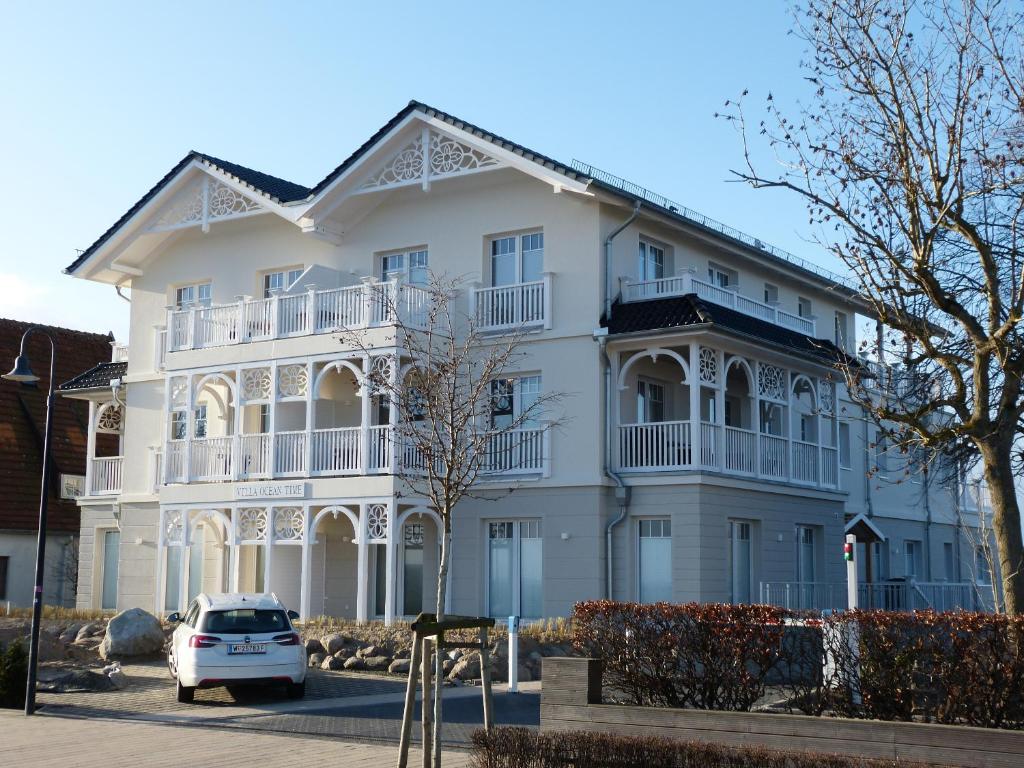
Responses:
[52,740]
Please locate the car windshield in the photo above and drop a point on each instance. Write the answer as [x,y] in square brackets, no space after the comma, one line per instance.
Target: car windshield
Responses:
[245,621]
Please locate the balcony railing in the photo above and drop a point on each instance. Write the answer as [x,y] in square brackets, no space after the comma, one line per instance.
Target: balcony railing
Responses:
[334,452]
[511,307]
[281,316]
[666,446]
[687,283]
[105,475]
[909,595]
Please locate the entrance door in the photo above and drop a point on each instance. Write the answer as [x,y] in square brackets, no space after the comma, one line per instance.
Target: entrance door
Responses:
[412,569]
[111,551]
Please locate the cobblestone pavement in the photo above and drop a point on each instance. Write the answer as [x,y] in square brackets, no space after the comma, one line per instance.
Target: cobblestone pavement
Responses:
[50,740]
[338,704]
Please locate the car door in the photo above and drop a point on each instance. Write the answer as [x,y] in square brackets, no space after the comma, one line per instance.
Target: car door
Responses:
[185,628]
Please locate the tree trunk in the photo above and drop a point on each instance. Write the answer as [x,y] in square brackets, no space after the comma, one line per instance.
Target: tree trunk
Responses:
[442,589]
[998,469]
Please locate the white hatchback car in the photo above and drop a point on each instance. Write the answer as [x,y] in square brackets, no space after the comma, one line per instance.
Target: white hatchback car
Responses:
[236,639]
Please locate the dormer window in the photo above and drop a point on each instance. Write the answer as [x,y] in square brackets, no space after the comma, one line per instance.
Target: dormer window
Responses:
[187,296]
[650,262]
[275,282]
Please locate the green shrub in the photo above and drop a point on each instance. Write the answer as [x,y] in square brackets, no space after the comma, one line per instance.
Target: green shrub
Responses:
[523,748]
[13,675]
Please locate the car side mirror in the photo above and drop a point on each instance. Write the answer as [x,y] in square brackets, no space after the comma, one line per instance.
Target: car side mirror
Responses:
[174,618]
[293,615]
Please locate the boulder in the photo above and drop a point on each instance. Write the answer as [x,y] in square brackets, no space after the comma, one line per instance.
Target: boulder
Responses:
[400,666]
[70,633]
[316,659]
[370,650]
[313,646]
[355,663]
[50,648]
[525,675]
[132,633]
[377,663]
[403,653]
[466,668]
[77,681]
[447,665]
[343,654]
[333,643]
[332,664]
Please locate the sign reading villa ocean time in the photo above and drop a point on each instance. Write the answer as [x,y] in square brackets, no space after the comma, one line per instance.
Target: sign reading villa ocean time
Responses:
[270,491]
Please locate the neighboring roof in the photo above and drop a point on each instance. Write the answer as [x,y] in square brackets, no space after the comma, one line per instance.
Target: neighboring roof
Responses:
[681,311]
[98,376]
[864,529]
[23,420]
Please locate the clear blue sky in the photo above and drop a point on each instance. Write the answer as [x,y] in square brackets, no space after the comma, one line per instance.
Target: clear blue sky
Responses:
[99,100]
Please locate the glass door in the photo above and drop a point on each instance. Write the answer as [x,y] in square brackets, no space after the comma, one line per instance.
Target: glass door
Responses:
[111,550]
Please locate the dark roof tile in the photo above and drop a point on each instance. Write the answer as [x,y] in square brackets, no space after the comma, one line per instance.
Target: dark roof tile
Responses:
[98,376]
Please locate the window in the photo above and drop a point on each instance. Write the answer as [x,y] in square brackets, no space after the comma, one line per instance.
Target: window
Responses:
[4,562]
[411,267]
[244,621]
[111,545]
[770,418]
[517,259]
[803,307]
[651,262]
[912,564]
[514,569]
[655,556]
[950,561]
[172,584]
[740,562]
[179,425]
[264,418]
[983,574]
[187,296]
[721,276]
[845,446]
[771,294]
[840,330]
[72,486]
[275,282]
[650,402]
[200,421]
[512,401]
[412,569]
[805,554]
[881,455]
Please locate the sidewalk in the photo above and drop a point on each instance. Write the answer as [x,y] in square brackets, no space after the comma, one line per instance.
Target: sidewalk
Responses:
[51,740]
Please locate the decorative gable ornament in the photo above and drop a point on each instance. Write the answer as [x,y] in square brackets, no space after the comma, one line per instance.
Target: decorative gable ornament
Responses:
[431,155]
[204,201]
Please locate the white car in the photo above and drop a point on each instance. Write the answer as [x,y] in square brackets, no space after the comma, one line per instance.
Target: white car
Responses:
[236,639]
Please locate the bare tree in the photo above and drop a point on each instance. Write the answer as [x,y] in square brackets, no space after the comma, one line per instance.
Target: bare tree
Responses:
[909,156]
[451,428]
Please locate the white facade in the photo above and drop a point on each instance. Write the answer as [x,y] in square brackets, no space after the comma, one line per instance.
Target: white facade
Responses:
[254,457]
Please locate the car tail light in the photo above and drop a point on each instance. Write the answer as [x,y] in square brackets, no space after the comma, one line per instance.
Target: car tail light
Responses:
[202,641]
[290,639]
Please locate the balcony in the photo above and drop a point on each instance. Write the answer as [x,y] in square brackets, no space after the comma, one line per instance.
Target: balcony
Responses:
[105,475]
[909,595]
[334,452]
[667,446]
[367,305]
[503,308]
[687,283]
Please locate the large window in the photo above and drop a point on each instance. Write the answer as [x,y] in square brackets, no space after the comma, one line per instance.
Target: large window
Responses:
[275,282]
[771,294]
[188,296]
[655,556]
[650,262]
[514,569]
[806,554]
[650,402]
[172,584]
[803,307]
[409,266]
[111,548]
[913,565]
[950,561]
[512,401]
[517,259]
[721,276]
[741,566]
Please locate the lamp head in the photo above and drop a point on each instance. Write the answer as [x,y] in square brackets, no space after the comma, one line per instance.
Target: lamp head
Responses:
[21,371]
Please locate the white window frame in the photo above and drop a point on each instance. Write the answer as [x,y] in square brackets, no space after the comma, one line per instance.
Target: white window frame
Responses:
[71,486]
[199,295]
[723,277]
[804,307]
[638,571]
[406,271]
[646,249]
[913,551]
[517,560]
[771,293]
[535,384]
[800,530]
[403,545]
[287,277]
[983,574]
[99,562]
[517,254]
[647,382]
[734,526]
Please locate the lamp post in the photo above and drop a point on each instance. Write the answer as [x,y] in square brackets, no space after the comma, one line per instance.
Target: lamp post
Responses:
[22,372]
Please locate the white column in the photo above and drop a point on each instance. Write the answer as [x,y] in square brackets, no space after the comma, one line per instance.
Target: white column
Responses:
[186,551]
[308,458]
[789,425]
[272,420]
[364,422]
[696,438]
[161,564]
[90,450]
[269,551]
[720,410]
[164,431]
[189,426]
[307,548]
[755,417]
[548,299]
[393,414]
[236,551]
[236,426]
[391,560]
[362,582]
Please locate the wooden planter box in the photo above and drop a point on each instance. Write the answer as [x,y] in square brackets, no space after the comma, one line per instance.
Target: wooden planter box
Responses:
[571,701]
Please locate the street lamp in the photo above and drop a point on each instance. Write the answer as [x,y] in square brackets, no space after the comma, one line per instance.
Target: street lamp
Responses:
[22,372]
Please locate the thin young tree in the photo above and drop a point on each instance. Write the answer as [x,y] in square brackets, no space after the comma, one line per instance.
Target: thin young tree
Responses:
[909,156]
[447,435]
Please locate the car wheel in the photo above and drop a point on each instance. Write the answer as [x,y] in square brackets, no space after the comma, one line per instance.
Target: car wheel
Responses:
[297,690]
[170,665]
[186,693]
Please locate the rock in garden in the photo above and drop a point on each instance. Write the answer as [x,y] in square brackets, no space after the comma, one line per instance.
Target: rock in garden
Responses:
[87,631]
[316,659]
[333,643]
[77,681]
[313,646]
[355,663]
[70,633]
[377,663]
[343,654]
[399,666]
[370,650]
[525,675]
[132,633]
[403,653]
[447,665]
[332,664]
[466,668]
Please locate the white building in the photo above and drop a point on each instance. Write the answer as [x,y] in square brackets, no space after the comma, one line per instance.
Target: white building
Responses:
[708,454]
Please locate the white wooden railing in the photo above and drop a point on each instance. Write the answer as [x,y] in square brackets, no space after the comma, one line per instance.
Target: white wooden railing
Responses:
[909,595]
[118,352]
[290,454]
[658,445]
[300,314]
[687,283]
[105,475]
[254,456]
[211,458]
[740,450]
[805,462]
[508,307]
[336,451]
[518,451]
[773,457]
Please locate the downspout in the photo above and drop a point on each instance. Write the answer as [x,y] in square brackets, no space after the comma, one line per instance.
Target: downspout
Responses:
[622,491]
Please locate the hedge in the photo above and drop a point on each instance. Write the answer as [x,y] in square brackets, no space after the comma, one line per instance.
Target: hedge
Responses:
[524,748]
[13,675]
[952,668]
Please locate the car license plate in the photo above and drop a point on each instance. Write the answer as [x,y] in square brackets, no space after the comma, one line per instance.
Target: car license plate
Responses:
[247,648]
